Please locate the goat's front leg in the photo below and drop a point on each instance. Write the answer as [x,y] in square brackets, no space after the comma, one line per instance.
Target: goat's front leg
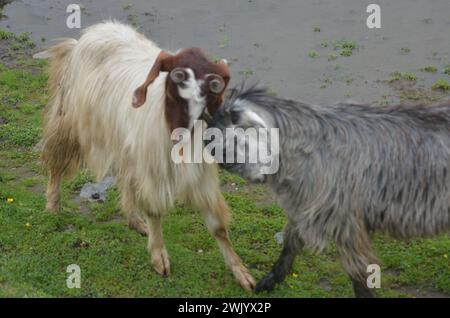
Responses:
[216,218]
[292,245]
[159,256]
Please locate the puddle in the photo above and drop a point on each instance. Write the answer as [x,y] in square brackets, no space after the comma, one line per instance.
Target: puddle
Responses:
[273,41]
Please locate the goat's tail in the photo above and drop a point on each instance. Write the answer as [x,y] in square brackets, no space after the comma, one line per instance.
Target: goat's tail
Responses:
[58,55]
[58,50]
[60,149]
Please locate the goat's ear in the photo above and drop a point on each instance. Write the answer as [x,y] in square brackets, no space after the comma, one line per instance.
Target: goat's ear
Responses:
[252,119]
[163,63]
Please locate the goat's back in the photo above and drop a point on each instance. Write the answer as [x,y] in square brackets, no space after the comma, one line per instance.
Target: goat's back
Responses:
[346,166]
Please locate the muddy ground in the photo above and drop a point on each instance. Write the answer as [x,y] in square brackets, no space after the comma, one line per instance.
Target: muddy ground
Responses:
[290,46]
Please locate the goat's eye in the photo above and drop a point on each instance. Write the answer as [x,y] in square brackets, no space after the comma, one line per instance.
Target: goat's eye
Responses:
[234,116]
[178,75]
[216,83]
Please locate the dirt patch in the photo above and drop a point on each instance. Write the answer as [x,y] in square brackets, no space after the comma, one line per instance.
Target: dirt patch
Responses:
[83,206]
[416,94]
[22,173]
[294,47]
[420,293]
[14,50]
[393,271]
[414,291]
[8,56]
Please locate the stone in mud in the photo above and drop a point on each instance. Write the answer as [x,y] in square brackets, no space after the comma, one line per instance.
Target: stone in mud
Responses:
[96,192]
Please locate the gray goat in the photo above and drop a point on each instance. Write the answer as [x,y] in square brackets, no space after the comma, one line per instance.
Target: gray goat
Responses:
[348,170]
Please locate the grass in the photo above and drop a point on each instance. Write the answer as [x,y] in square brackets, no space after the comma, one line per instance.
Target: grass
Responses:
[224,42]
[441,84]
[332,57]
[127,7]
[346,47]
[405,50]
[247,72]
[36,247]
[19,41]
[429,69]
[447,69]
[313,54]
[326,81]
[5,34]
[413,95]
[407,76]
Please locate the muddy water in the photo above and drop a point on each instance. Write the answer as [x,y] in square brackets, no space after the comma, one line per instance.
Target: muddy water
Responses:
[271,40]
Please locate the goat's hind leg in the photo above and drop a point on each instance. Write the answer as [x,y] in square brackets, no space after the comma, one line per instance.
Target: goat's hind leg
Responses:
[356,254]
[159,256]
[61,155]
[292,245]
[147,224]
[135,222]
[53,192]
[130,208]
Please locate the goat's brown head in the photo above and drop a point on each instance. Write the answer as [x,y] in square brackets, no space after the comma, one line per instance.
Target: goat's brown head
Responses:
[194,85]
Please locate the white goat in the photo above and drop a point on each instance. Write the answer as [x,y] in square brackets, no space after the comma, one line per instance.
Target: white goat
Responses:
[90,119]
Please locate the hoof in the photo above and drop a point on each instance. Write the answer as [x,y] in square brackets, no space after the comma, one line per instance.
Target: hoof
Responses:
[160,262]
[267,284]
[362,291]
[52,208]
[244,277]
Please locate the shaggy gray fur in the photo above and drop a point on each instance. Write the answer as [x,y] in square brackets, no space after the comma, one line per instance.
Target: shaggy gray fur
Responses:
[347,170]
